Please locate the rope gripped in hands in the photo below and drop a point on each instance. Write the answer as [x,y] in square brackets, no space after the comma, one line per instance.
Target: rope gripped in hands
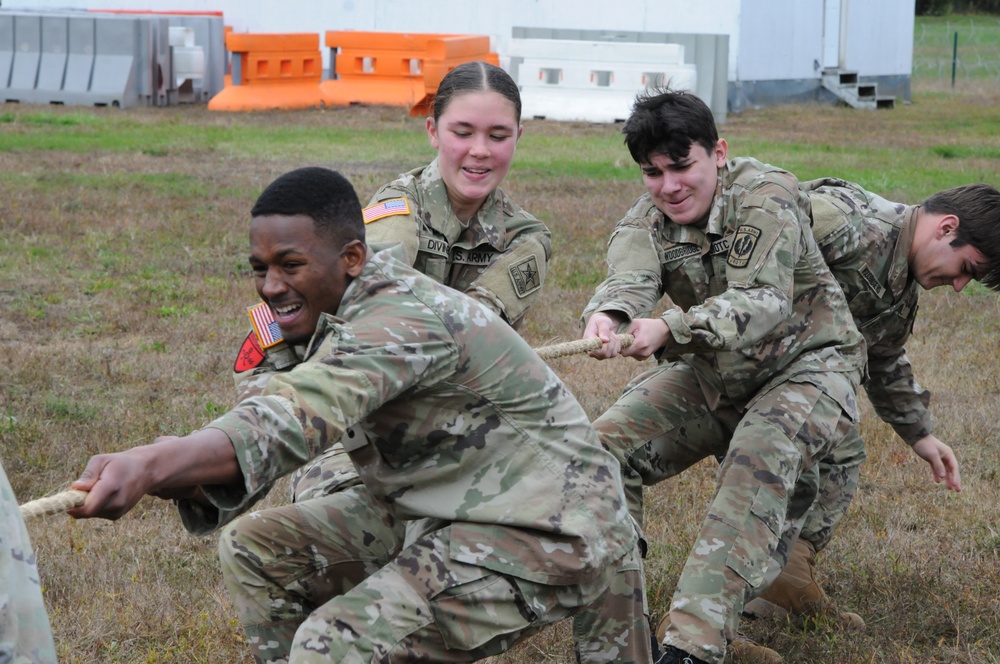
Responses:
[67,500]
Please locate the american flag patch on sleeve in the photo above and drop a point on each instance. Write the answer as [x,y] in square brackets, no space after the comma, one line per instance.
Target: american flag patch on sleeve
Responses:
[386,209]
[262,319]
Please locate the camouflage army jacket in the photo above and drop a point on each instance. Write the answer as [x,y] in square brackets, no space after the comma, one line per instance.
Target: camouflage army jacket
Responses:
[499,257]
[866,241]
[751,301]
[451,418]
[25,634]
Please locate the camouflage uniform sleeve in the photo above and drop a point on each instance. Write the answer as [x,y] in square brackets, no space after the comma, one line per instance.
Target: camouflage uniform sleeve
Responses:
[633,285]
[25,633]
[897,398]
[513,282]
[299,413]
[760,271]
[401,229]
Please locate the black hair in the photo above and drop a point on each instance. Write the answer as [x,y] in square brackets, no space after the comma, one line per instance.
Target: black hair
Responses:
[326,196]
[472,77]
[668,122]
[977,207]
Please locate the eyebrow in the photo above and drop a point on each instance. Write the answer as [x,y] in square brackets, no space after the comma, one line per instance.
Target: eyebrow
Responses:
[278,256]
[463,123]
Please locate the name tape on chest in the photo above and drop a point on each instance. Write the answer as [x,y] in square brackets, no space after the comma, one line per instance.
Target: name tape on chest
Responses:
[266,328]
[744,242]
[433,245]
[465,257]
[871,281]
[687,251]
[384,209]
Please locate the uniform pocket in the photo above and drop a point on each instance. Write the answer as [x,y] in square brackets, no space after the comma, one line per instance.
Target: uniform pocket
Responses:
[758,537]
[483,606]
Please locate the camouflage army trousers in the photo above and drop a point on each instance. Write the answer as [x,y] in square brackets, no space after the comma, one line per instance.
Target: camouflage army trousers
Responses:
[309,586]
[839,473]
[767,481]
[336,536]
[25,634]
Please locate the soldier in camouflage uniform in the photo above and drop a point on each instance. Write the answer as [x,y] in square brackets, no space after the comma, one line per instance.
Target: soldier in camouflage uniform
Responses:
[759,357]
[881,254]
[457,226]
[455,223]
[513,513]
[25,635]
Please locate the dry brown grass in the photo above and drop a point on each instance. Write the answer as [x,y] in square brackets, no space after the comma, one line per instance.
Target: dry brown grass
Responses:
[123,307]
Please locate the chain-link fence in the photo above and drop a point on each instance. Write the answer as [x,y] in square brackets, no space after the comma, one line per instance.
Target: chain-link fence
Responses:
[978,52]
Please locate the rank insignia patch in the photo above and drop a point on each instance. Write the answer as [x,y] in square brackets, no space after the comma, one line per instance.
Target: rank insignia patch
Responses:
[743,245]
[250,355]
[525,277]
[386,209]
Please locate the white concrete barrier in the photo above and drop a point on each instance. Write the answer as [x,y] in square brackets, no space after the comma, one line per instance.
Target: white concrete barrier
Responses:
[593,81]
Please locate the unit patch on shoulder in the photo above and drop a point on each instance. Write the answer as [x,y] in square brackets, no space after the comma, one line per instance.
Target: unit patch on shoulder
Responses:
[250,356]
[744,242]
[525,277]
[386,208]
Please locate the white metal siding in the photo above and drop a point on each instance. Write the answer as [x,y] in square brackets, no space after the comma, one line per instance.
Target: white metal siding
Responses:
[768,39]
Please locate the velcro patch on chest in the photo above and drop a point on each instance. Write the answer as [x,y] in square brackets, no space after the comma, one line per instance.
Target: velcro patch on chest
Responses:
[473,257]
[524,275]
[250,356]
[744,242]
[872,281]
[386,208]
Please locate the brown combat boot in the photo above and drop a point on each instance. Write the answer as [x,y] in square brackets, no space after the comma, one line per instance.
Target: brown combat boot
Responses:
[741,649]
[796,596]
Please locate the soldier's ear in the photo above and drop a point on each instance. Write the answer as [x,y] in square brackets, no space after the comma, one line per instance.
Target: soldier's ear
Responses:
[947,225]
[432,132]
[354,254]
[721,152]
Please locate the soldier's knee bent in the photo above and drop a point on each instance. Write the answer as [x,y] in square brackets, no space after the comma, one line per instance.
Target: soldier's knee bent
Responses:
[239,545]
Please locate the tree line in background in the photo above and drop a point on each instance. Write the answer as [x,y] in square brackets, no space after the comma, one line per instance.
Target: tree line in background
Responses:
[942,7]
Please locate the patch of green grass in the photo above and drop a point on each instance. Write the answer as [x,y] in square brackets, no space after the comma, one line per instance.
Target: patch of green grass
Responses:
[173,311]
[69,410]
[978,47]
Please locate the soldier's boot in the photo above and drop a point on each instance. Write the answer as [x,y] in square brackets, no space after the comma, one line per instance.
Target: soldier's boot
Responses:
[796,596]
[741,649]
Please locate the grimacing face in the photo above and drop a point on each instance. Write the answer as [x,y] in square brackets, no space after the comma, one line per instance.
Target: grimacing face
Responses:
[300,273]
[684,190]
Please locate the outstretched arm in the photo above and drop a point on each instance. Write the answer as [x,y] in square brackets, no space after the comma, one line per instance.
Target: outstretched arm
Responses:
[116,482]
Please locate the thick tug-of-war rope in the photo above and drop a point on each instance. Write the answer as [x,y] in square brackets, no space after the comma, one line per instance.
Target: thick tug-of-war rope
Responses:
[578,346]
[67,500]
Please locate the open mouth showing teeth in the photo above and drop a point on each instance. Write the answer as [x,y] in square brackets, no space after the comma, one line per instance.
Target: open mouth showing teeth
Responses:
[284,311]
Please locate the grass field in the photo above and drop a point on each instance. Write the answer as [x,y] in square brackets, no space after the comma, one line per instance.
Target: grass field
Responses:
[123,282]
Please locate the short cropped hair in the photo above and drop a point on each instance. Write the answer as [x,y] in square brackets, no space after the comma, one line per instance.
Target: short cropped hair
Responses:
[473,77]
[326,196]
[977,207]
[668,122]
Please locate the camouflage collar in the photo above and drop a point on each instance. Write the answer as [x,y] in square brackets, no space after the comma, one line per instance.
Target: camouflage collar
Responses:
[899,271]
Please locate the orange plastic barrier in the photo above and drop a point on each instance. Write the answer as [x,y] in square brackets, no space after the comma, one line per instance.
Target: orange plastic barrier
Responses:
[270,71]
[396,68]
